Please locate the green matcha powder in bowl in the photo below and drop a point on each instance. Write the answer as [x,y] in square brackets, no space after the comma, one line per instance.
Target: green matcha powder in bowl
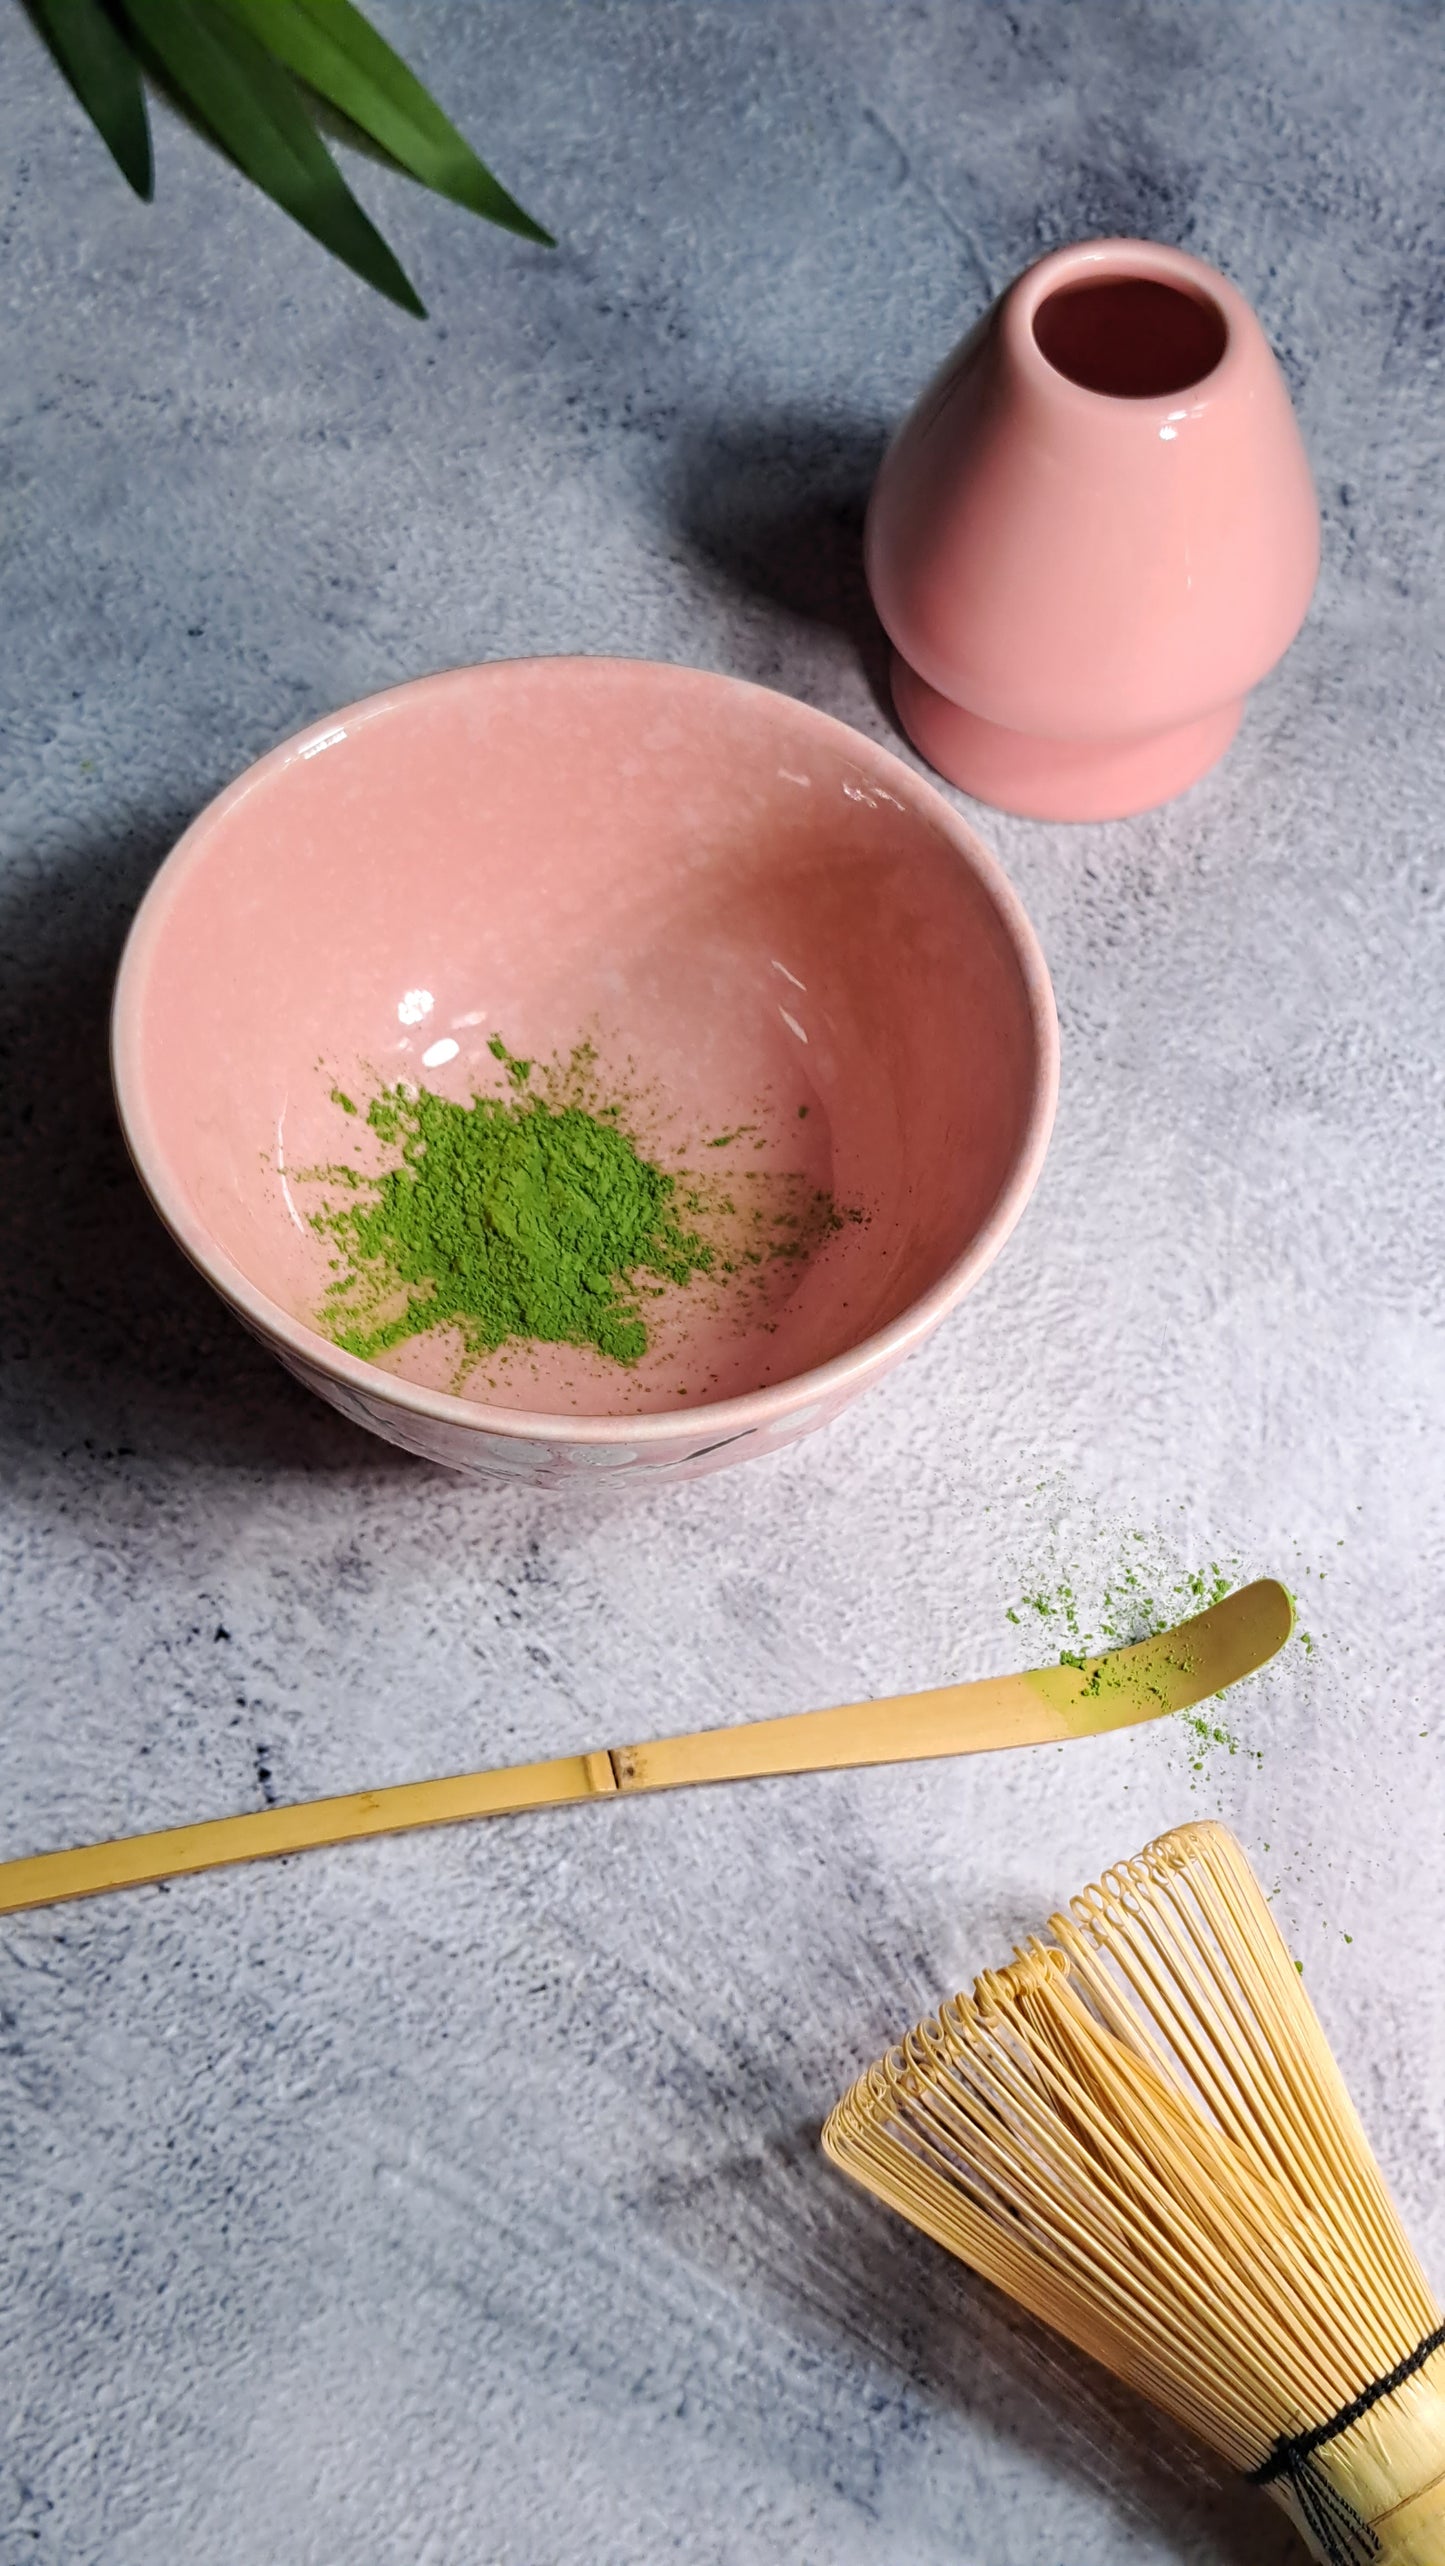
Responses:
[507,1218]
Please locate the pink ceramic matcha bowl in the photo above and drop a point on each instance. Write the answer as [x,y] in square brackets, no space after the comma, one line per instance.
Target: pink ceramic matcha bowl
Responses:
[759,918]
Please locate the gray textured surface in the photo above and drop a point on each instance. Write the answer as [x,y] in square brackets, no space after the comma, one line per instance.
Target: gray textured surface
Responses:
[458,2200]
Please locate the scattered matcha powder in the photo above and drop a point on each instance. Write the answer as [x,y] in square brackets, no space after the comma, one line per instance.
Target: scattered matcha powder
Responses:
[1136,1604]
[535,1216]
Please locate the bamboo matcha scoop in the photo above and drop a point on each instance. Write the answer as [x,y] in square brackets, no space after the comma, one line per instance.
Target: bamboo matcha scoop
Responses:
[1047,1707]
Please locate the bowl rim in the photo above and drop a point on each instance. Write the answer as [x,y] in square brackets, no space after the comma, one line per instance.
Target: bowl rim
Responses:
[721,1418]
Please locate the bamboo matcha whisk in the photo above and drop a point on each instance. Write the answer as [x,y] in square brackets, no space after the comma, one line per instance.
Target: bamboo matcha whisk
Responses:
[1138,2131]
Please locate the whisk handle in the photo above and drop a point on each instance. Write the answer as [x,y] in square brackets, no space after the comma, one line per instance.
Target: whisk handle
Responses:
[1413,2533]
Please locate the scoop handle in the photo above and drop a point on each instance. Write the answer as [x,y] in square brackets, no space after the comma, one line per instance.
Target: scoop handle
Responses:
[128,1862]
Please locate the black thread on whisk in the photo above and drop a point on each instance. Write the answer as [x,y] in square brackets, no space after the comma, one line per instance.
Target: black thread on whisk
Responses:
[1345,2538]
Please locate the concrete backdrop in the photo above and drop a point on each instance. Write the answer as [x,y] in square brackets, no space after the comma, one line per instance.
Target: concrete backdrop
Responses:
[458,2201]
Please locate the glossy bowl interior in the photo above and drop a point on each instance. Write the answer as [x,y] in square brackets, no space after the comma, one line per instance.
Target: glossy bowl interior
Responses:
[800,974]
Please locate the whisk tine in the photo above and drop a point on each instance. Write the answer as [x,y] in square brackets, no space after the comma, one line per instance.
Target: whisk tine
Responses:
[1138,2131]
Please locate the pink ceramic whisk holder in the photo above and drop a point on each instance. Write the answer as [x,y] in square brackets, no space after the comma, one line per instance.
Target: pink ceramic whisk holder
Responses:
[1093,535]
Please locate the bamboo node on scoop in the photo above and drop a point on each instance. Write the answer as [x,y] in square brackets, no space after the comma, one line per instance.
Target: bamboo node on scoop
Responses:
[1138,2131]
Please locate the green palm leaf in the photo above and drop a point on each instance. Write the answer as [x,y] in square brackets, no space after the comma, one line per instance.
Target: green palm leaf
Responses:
[330,46]
[94,58]
[244,70]
[231,83]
